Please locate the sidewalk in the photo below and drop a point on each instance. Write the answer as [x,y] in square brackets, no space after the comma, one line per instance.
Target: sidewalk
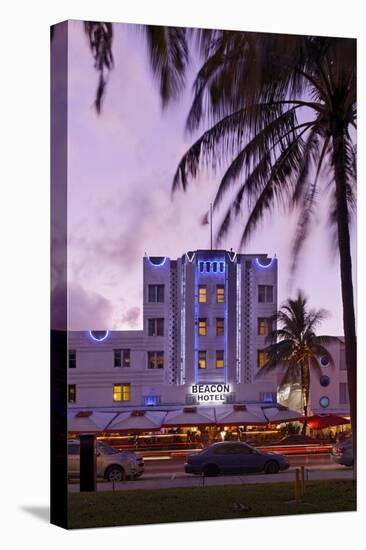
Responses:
[193,481]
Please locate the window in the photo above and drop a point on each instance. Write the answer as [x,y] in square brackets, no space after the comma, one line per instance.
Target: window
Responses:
[121,392]
[220,327]
[220,293]
[202,327]
[214,267]
[156,327]
[156,293]
[202,359]
[71,393]
[264,326]
[221,267]
[265,294]
[155,359]
[208,267]
[122,357]
[201,267]
[343,394]
[72,359]
[219,359]
[262,358]
[202,294]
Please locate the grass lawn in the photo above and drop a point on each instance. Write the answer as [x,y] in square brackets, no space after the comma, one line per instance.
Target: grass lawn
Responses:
[195,503]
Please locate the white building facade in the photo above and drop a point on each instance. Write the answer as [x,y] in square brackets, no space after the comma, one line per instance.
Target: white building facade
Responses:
[206,316]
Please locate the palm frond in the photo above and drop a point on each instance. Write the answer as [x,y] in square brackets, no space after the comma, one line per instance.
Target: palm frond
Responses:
[169,57]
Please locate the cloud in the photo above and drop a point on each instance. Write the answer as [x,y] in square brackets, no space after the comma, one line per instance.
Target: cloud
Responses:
[88,309]
[132,317]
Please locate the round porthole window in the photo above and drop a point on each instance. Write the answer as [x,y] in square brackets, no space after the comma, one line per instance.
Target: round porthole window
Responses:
[324,402]
[324,380]
[324,361]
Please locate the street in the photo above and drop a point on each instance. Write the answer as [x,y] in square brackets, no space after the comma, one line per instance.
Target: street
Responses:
[170,473]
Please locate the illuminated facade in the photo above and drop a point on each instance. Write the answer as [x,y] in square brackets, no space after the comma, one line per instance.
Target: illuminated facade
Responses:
[206,316]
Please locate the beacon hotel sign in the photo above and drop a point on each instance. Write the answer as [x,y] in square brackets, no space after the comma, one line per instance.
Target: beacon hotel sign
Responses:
[211,393]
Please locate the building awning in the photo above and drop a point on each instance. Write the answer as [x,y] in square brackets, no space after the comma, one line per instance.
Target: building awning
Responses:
[279,413]
[88,421]
[145,420]
[240,415]
[319,421]
[134,421]
[190,416]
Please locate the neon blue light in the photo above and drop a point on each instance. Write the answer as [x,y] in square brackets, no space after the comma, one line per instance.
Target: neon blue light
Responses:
[98,339]
[262,266]
[150,400]
[205,266]
[158,265]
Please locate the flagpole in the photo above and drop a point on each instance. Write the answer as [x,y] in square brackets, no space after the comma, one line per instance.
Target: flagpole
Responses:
[211,222]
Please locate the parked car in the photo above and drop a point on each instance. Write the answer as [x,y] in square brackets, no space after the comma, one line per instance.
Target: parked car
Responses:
[112,465]
[234,457]
[342,453]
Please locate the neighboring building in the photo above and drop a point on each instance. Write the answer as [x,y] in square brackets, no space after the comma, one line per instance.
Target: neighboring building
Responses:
[205,320]
[328,390]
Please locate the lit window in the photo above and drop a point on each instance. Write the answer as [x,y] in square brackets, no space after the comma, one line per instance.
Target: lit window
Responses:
[202,359]
[72,359]
[126,392]
[121,392]
[156,293]
[71,393]
[122,357]
[219,359]
[155,359]
[262,358]
[202,326]
[220,327]
[264,326]
[202,294]
[220,294]
[156,327]
[265,294]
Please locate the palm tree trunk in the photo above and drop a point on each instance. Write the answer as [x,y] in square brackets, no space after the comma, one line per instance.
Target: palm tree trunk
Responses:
[339,161]
[305,395]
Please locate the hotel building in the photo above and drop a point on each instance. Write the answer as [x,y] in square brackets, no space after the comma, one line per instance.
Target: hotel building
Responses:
[206,316]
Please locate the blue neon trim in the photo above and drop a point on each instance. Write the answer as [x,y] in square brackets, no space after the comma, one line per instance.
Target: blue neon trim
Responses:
[264,266]
[158,265]
[98,339]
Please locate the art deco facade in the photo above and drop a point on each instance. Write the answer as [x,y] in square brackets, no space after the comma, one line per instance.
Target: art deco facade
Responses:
[205,319]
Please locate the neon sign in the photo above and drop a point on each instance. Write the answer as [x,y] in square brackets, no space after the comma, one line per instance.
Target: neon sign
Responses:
[210,392]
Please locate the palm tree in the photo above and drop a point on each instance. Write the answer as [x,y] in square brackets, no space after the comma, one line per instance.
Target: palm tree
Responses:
[281,112]
[295,348]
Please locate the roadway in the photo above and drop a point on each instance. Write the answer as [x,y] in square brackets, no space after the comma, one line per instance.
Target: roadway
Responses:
[170,473]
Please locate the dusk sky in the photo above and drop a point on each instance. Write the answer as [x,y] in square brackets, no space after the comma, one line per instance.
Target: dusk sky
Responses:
[120,171]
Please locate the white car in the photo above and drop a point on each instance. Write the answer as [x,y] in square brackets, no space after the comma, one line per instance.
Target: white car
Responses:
[342,453]
[112,465]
